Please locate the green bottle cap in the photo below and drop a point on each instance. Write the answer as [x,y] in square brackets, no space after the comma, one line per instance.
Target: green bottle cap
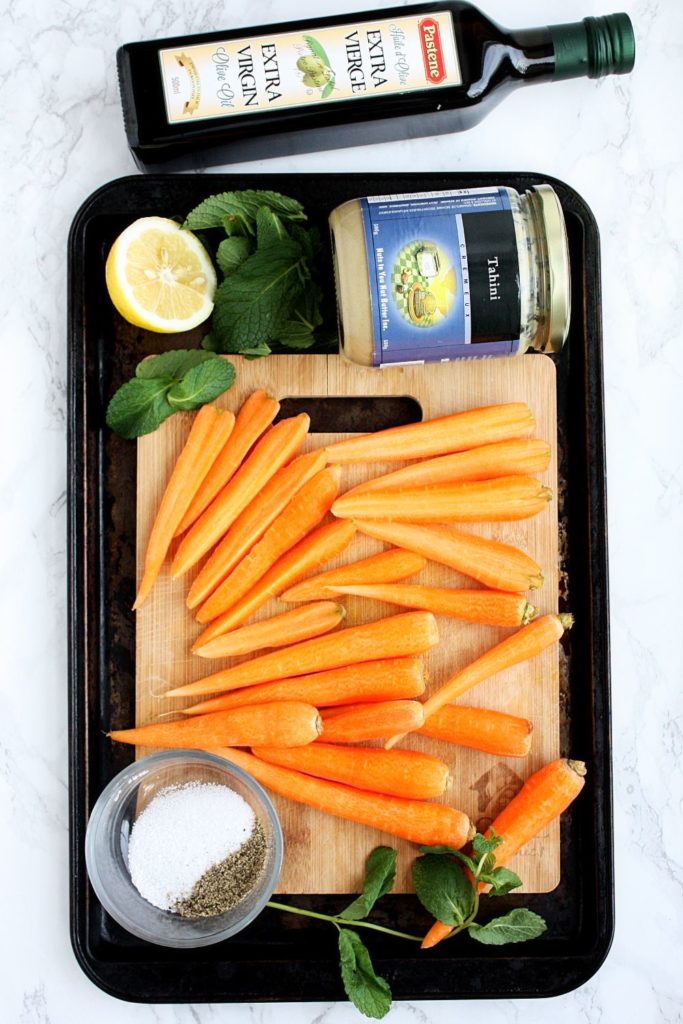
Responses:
[594,47]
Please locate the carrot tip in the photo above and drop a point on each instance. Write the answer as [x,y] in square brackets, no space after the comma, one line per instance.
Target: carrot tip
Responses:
[578,766]
[536,582]
[393,740]
[529,613]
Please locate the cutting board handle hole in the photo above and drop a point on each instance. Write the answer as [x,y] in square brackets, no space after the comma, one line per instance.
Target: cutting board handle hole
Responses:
[353,414]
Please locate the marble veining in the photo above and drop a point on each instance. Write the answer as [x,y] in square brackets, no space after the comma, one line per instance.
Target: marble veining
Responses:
[619,143]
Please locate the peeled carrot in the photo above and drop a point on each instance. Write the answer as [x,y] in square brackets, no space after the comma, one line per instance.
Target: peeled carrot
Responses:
[304,512]
[256,414]
[279,631]
[371,721]
[415,820]
[313,551]
[388,679]
[437,437]
[386,567]
[396,637]
[526,643]
[273,450]
[293,722]
[526,455]
[496,565]
[253,522]
[210,430]
[491,607]
[494,732]
[504,499]
[404,773]
[542,798]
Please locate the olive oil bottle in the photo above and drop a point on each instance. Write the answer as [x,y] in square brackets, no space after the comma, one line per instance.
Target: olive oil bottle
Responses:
[400,72]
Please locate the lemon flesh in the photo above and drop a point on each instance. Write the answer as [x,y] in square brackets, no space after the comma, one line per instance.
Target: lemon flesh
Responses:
[159,276]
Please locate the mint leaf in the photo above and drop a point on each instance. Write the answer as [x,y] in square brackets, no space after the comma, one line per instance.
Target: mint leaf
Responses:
[519,925]
[202,383]
[174,364]
[502,881]
[211,213]
[294,334]
[269,228]
[231,253]
[443,888]
[139,406]
[448,851]
[367,991]
[484,851]
[380,874]
[256,352]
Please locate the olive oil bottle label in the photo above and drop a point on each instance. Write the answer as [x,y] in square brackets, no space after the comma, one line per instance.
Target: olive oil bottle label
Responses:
[294,69]
[444,275]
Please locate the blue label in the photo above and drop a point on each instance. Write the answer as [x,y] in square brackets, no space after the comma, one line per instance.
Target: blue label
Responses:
[444,276]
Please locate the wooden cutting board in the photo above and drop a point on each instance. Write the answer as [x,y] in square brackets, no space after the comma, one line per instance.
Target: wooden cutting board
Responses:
[322,853]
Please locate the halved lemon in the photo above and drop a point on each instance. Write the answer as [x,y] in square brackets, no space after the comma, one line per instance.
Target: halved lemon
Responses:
[160,276]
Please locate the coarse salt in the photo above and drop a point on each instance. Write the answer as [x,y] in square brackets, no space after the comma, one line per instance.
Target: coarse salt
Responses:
[183,832]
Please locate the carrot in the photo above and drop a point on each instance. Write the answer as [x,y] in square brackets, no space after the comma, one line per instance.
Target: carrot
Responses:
[494,732]
[255,416]
[253,522]
[526,455]
[415,820]
[404,773]
[292,722]
[492,607]
[526,643]
[388,679]
[504,499]
[437,437]
[496,565]
[371,721]
[279,631]
[209,432]
[271,453]
[313,551]
[304,512]
[542,798]
[386,567]
[396,637]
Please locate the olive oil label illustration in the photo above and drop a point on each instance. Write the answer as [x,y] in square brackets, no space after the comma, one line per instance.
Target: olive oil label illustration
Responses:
[294,69]
[444,275]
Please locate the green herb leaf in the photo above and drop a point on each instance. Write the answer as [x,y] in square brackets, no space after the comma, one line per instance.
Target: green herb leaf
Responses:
[257,352]
[210,343]
[202,383]
[484,851]
[443,888]
[211,213]
[139,406]
[231,253]
[294,334]
[502,881]
[367,991]
[269,228]
[448,851]
[519,925]
[380,874]
[173,365]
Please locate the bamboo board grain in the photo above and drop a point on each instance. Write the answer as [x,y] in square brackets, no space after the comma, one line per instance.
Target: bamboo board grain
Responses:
[325,854]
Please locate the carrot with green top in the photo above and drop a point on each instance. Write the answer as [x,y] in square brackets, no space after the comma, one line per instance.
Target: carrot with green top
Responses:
[494,732]
[371,721]
[210,430]
[386,567]
[496,565]
[418,821]
[318,547]
[523,645]
[527,455]
[303,513]
[504,499]
[368,681]
[452,433]
[275,448]
[395,637]
[255,416]
[253,522]
[279,631]
[292,722]
[490,607]
[404,773]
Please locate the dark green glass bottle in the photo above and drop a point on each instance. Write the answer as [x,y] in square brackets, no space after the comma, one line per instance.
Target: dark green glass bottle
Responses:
[400,72]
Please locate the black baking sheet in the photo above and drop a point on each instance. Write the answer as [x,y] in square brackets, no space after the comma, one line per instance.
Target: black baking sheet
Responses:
[280,956]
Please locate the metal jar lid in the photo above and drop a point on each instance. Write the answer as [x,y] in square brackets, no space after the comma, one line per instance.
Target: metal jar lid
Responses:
[559,285]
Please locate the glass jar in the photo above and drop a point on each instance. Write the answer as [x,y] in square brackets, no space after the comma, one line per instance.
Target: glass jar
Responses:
[458,274]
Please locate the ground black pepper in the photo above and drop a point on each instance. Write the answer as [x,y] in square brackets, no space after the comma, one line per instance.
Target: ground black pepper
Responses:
[227,883]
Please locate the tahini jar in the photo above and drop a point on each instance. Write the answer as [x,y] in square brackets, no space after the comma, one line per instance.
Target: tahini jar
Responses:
[457,274]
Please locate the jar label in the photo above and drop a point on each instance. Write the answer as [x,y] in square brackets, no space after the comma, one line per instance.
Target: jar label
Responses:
[294,69]
[444,275]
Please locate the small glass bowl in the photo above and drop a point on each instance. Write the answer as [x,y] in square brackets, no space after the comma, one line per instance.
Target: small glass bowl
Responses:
[109,828]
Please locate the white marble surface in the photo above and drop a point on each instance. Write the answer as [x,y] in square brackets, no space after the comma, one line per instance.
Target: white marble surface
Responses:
[617,141]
